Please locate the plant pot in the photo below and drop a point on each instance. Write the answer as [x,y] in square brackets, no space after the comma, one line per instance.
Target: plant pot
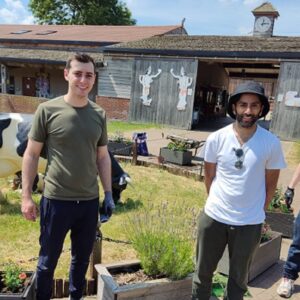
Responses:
[177,157]
[281,222]
[27,294]
[158,289]
[120,148]
[265,256]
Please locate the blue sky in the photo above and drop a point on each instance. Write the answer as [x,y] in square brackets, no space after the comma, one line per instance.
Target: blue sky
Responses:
[203,17]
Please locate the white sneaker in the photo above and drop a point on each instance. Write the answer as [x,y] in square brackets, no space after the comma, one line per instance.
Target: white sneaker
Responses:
[286,288]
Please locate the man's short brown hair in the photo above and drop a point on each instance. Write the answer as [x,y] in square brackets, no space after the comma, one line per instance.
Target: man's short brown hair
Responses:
[81,57]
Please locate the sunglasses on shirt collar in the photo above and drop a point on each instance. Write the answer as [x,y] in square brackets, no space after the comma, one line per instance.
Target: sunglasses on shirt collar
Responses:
[239,153]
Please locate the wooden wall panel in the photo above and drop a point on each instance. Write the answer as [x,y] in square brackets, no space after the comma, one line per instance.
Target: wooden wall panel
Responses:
[286,119]
[164,91]
[114,79]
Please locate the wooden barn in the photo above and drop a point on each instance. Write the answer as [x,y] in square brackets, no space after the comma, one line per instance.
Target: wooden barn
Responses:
[182,80]
[158,73]
[32,57]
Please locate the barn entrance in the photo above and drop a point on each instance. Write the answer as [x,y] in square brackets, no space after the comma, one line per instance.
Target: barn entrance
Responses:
[186,93]
[216,81]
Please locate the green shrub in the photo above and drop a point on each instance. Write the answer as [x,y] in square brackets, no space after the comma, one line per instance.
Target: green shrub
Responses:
[163,238]
[178,146]
[119,138]
[13,277]
[278,204]
[266,233]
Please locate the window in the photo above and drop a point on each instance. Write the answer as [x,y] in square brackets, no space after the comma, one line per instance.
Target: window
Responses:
[46,32]
[21,31]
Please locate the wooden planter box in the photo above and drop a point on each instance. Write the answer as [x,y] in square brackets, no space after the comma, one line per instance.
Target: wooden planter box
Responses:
[265,256]
[159,289]
[176,157]
[28,292]
[281,222]
[118,148]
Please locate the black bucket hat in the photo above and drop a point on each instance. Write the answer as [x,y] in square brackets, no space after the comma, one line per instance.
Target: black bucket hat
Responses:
[249,87]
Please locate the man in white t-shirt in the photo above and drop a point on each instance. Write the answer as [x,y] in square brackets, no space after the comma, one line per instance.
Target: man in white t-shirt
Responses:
[242,165]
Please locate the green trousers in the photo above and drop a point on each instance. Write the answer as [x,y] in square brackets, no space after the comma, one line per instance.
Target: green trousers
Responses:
[212,239]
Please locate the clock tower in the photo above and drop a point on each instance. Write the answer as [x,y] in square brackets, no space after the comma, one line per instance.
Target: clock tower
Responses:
[265,15]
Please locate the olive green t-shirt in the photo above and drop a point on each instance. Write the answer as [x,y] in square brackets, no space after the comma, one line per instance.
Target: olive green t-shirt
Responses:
[71,136]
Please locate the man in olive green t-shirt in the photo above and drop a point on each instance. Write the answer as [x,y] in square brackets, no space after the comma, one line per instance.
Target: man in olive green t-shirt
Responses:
[72,130]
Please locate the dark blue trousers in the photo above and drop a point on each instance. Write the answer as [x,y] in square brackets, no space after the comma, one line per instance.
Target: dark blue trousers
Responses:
[292,265]
[57,217]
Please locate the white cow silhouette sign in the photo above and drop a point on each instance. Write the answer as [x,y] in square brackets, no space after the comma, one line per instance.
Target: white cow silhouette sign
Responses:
[146,81]
[184,82]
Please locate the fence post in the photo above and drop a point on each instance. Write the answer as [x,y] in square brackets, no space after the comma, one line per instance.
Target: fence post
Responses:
[134,153]
[96,256]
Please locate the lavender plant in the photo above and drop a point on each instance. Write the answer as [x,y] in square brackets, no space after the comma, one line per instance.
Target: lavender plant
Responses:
[163,237]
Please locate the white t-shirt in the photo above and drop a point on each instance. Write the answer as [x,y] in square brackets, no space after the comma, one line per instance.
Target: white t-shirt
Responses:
[237,196]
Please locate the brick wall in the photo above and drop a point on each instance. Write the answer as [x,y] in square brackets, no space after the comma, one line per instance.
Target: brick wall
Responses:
[19,104]
[116,108]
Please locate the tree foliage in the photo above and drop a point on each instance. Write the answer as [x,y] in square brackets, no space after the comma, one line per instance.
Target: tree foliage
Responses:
[81,12]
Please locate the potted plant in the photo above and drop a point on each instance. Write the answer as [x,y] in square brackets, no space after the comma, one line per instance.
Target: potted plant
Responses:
[266,255]
[16,284]
[119,145]
[279,216]
[176,152]
[164,243]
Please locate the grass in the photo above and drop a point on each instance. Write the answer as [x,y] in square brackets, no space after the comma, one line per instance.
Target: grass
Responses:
[19,238]
[120,126]
[293,156]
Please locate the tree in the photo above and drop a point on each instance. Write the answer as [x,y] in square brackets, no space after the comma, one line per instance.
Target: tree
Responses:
[88,12]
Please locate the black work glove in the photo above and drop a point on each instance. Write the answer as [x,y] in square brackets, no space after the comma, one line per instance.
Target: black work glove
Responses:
[108,204]
[106,208]
[289,196]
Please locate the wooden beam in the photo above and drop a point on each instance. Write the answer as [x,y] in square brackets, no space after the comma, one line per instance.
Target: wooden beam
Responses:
[253,75]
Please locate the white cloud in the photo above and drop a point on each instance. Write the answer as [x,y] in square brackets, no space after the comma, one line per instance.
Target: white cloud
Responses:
[15,4]
[253,2]
[218,17]
[15,12]
[227,1]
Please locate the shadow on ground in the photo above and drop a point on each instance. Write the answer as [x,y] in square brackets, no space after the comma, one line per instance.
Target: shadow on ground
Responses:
[271,275]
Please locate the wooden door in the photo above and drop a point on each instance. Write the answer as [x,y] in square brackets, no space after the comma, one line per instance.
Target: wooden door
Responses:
[28,86]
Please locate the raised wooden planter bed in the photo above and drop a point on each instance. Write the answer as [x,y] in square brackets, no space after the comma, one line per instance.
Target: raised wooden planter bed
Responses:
[281,222]
[176,157]
[159,289]
[120,148]
[266,255]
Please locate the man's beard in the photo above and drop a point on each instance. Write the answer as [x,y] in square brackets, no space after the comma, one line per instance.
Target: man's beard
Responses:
[244,124]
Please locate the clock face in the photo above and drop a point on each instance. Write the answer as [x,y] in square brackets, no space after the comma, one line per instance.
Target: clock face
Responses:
[263,24]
